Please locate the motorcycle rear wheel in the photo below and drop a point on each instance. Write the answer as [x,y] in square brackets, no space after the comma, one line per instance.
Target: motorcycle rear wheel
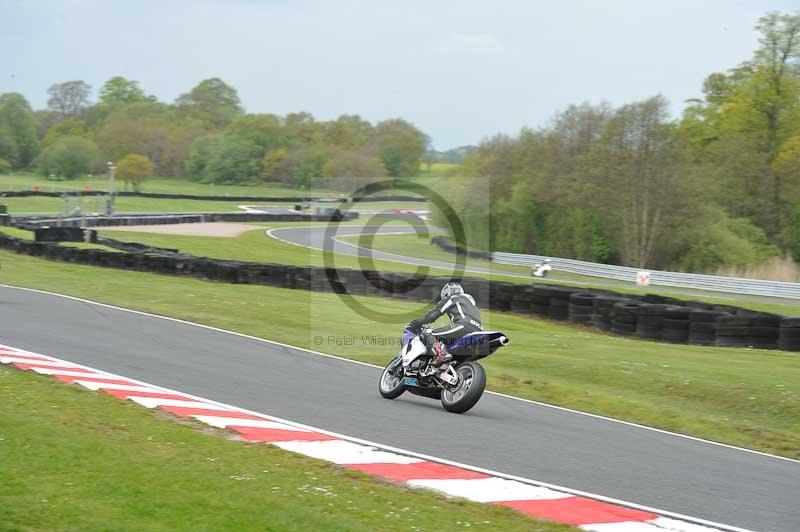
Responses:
[391,386]
[472,378]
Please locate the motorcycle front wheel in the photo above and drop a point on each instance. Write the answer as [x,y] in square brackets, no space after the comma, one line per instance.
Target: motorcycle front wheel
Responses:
[462,397]
[391,385]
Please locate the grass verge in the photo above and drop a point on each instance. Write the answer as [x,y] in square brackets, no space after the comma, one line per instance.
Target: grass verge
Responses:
[256,246]
[162,185]
[742,397]
[78,460]
[91,204]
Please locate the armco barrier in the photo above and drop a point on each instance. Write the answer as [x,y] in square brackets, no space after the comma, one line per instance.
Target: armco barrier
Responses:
[723,326]
[156,195]
[715,283]
[108,221]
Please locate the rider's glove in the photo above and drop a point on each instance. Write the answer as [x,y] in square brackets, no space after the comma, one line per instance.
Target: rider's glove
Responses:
[415,325]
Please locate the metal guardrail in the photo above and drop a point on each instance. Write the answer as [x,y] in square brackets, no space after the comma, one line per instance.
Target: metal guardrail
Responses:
[715,283]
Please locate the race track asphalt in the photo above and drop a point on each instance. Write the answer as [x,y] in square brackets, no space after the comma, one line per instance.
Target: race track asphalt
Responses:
[314,237]
[601,456]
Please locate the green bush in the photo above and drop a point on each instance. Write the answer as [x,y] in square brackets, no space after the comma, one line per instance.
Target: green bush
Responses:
[69,157]
[728,242]
[234,160]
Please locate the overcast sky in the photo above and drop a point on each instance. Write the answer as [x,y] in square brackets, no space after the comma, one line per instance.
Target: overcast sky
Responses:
[459,70]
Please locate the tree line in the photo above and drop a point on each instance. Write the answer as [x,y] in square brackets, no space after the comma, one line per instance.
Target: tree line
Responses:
[204,134]
[718,186]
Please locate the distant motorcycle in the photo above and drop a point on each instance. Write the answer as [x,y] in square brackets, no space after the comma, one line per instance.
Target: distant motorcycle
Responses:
[459,385]
[541,269]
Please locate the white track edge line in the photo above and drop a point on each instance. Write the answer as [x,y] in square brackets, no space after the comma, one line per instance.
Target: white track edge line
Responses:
[440,268]
[467,269]
[611,500]
[319,353]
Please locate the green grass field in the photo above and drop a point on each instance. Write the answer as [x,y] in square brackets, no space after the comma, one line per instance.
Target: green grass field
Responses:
[80,460]
[175,185]
[440,170]
[92,204]
[256,246]
[166,185]
[738,396]
[123,204]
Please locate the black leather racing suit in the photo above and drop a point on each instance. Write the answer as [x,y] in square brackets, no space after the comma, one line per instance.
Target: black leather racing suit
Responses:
[465,318]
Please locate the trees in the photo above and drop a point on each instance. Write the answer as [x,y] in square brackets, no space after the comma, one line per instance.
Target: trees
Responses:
[134,168]
[741,128]
[636,176]
[353,164]
[211,101]
[273,167]
[121,91]
[306,163]
[597,184]
[207,123]
[343,170]
[69,99]
[264,130]
[19,143]
[347,132]
[786,166]
[69,127]
[200,154]
[234,161]
[400,146]
[301,128]
[148,130]
[69,157]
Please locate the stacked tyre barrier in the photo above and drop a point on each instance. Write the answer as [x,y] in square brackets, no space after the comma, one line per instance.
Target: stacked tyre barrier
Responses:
[703,326]
[446,244]
[581,307]
[649,318]
[765,331]
[625,317]
[540,301]
[650,321]
[789,336]
[557,307]
[603,311]
[675,325]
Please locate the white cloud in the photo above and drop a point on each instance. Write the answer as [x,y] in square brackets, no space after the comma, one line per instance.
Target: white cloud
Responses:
[473,43]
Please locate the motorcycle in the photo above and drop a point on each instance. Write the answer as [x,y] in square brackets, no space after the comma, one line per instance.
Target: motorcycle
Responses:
[458,385]
[541,269]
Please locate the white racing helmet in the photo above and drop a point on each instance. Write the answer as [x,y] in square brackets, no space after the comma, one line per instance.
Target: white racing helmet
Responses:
[451,289]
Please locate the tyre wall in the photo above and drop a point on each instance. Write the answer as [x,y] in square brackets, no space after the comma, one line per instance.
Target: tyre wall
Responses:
[666,320]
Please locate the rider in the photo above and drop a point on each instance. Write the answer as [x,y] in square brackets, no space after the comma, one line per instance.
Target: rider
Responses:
[464,319]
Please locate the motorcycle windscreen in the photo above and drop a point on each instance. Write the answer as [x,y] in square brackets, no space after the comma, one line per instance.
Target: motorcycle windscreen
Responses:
[408,335]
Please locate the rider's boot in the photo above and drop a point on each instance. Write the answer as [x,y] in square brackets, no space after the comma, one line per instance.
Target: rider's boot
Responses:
[441,355]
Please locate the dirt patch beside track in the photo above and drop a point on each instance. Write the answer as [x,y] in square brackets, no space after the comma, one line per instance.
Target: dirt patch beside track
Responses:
[220,229]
